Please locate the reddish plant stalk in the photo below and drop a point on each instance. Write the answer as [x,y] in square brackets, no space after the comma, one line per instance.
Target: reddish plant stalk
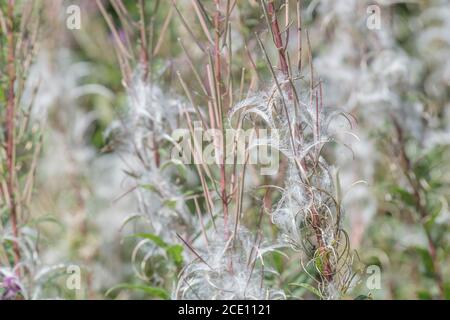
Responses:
[217,42]
[277,38]
[418,203]
[10,127]
[144,48]
[217,60]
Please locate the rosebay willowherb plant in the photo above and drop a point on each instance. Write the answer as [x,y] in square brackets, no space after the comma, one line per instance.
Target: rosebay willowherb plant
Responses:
[22,273]
[309,213]
[142,134]
[227,258]
[229,268]
[218,164]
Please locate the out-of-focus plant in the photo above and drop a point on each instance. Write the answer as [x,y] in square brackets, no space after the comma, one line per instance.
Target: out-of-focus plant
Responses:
[419,194]
[142,135]
[394,79]
[22,274]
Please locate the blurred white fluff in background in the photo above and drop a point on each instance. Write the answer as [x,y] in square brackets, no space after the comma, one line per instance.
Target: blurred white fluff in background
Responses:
[48,82]
[366,72]
[70,167]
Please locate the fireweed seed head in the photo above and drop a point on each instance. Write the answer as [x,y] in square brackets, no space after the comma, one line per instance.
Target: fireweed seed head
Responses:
[308,213]
[228,268]
[143,130]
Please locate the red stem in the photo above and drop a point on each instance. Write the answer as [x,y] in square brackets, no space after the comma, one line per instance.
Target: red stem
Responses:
[144,47]
[420,207]
[277,38]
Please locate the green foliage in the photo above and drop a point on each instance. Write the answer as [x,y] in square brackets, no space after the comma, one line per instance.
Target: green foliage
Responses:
[174,252]
[152,292]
